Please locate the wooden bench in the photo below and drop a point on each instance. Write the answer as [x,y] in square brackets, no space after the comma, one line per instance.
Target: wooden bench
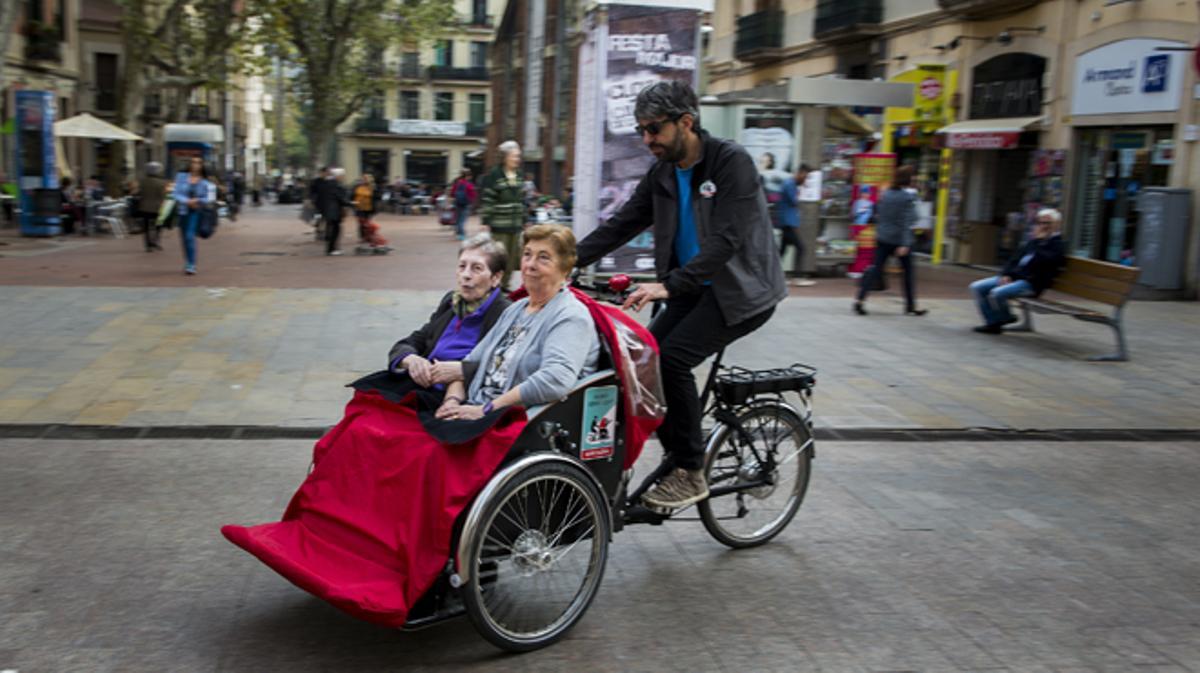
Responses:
[1093,280]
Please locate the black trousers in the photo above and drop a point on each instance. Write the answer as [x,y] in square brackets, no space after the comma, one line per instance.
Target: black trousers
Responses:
[791,238]
[333,232]
[688,331]
[149,228]
[882,252]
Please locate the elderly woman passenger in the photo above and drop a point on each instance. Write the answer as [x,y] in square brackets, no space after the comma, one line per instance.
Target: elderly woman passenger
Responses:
[542,344]
[462,318]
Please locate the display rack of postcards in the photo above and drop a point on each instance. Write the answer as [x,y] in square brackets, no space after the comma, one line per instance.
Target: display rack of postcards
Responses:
[834,244]
[1045,185]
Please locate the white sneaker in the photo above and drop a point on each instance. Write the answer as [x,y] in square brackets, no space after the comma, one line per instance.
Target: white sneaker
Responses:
[802,282]
[334,253]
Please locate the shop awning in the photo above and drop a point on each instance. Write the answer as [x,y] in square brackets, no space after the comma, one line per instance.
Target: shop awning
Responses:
[846,121]
[987,134]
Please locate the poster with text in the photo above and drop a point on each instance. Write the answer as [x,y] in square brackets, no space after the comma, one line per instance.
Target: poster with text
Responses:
[640,46]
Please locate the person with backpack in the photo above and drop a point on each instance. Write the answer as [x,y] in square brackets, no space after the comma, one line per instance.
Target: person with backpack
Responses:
[464,194]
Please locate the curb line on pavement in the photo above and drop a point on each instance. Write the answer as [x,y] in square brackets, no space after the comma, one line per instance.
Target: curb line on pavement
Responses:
[259,432]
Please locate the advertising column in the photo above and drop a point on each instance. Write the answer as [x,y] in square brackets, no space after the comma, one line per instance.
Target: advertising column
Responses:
[633,48]
[872,174]
[37,175]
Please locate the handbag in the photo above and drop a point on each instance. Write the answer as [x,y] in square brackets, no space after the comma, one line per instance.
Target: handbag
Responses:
[207,226]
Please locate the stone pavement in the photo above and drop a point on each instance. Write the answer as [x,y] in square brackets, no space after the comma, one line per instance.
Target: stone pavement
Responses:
[938,557]
[280,357]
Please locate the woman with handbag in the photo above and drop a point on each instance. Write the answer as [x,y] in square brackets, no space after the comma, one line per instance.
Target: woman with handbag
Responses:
[195,196]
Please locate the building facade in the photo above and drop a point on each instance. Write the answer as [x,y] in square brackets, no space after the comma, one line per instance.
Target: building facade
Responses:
[1020,104]
[532,86]
[431,115]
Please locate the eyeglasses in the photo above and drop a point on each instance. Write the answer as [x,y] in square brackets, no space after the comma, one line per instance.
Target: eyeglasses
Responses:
[653,128]
[1045,221]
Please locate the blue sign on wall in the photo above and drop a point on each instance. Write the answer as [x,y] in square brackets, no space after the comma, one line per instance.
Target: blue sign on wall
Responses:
[1154,78]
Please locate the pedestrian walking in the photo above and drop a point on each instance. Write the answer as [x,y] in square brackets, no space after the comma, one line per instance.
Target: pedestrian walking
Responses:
[895,214]
[504,205]
[715,259]
[464,197]
[330,201]
[260,184]
[787,220]
[196,197]
[151,189]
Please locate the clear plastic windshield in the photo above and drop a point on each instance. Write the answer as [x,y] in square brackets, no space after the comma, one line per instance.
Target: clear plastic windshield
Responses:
[640,364]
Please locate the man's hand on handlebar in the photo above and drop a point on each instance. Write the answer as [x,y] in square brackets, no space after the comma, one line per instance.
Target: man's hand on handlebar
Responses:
[644,294]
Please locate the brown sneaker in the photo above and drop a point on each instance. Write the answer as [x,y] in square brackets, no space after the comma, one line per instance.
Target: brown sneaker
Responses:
[678,489]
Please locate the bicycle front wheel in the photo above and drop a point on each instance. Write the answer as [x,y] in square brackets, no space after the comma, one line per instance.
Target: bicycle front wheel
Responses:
[539,559]
[775,452]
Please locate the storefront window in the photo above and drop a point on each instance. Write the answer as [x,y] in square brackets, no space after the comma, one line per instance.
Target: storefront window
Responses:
[1112,168]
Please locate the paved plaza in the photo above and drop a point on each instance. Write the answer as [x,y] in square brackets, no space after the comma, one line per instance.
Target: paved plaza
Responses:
[937,557]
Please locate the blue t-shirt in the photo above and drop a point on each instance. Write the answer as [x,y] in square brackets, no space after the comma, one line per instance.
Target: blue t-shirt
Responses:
[687,240]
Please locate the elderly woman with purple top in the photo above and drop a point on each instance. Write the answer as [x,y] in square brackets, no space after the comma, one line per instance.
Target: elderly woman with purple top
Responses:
[430,355]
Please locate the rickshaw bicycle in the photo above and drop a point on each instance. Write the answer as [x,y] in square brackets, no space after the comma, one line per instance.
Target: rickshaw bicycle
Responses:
[530,551]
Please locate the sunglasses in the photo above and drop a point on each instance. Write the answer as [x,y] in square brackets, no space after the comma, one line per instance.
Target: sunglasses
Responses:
[653,128]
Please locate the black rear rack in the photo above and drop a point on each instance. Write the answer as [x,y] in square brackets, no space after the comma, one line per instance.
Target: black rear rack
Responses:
[735,385]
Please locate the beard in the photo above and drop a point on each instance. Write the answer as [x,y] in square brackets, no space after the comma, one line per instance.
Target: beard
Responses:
[674,152]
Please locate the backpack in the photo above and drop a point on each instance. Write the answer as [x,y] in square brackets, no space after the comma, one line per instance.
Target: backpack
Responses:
[461,199]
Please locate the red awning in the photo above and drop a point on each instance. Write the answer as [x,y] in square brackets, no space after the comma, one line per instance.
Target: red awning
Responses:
[987,134]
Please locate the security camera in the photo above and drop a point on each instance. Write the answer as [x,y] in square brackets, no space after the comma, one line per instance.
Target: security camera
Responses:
[1004,38]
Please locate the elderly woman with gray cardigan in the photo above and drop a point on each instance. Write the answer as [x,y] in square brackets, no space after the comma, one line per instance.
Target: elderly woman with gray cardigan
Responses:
[541,345]
[895,214]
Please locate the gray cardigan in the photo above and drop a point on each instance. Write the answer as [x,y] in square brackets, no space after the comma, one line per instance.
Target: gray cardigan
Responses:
[895,215]
[561,348]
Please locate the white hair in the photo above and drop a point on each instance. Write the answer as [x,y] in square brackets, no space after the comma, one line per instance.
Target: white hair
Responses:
[337,172]
[508,147]
[1051,213]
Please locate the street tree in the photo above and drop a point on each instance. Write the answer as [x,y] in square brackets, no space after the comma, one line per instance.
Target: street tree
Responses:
[339,46]
[8,19]
[180,45]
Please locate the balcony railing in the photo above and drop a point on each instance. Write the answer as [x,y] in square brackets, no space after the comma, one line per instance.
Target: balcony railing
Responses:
[197,113]
[371,125]
[984,9]
[43,43]
[841,19]
[447,72]
[411,71]
[759,36]
[477,129]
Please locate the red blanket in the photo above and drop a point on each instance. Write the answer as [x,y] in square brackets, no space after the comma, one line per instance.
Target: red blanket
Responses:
[370,528]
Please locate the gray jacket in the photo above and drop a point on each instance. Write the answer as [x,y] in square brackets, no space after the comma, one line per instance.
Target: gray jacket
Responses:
[895,215]
[737,245]
[562,347]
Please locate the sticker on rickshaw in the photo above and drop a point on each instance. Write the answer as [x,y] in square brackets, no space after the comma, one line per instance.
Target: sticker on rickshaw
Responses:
[599,422]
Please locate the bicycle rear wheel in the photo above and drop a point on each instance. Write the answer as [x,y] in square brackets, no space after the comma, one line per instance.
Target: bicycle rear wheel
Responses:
[752,516]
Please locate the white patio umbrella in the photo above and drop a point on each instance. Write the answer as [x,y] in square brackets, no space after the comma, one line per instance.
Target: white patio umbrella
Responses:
[84,125]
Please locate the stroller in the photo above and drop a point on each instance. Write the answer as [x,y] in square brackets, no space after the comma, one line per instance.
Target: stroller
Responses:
[369,240]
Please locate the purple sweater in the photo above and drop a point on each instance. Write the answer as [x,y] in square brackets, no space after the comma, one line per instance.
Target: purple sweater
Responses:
[462,334]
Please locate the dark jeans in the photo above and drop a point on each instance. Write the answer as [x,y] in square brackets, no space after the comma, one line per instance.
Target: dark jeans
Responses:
[791,238]
[882,252]
[333,232]
[688,331]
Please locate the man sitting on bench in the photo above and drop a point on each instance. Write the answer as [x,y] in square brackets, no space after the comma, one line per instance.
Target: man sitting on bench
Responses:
[1027,274]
